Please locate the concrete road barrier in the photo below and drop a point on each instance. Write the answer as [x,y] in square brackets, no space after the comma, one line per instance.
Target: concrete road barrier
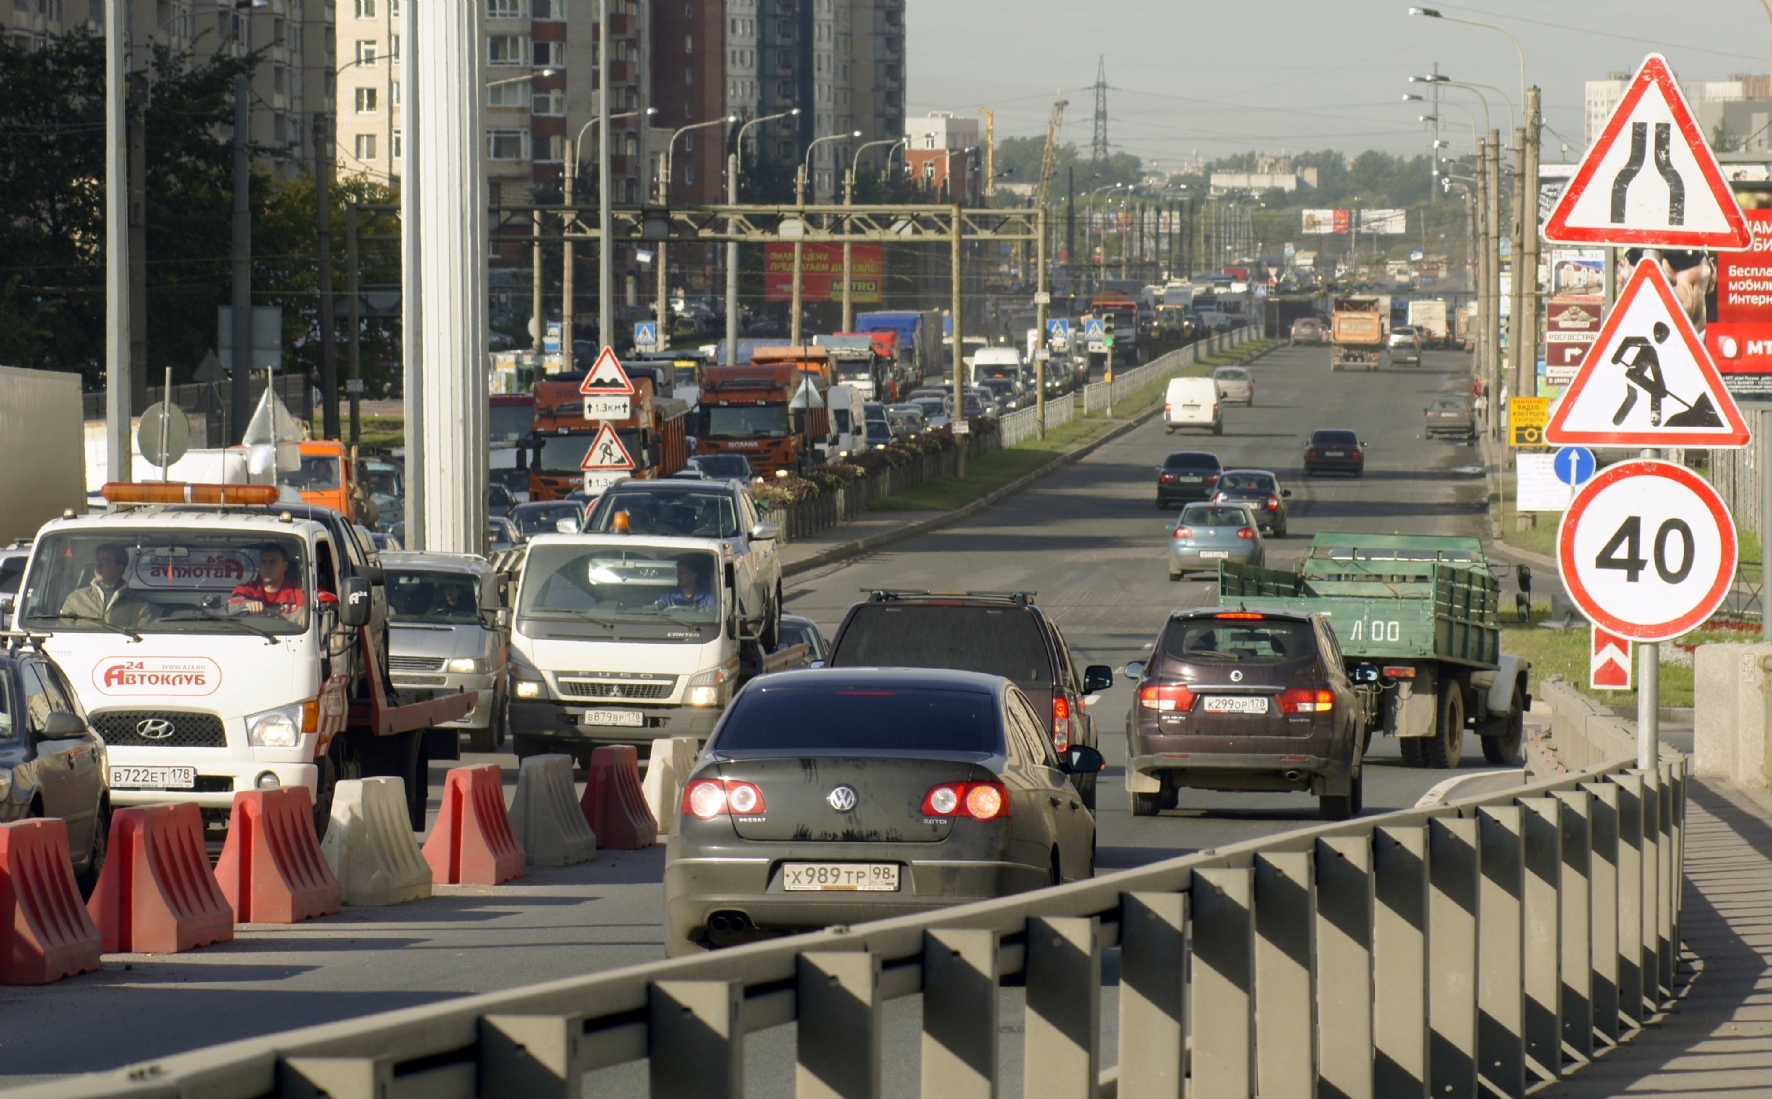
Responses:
[613,804]
[370,846]
[670,763]
[545,815]
[157,894]
[271,869]
[1730,742]
[472,842]
[45,933]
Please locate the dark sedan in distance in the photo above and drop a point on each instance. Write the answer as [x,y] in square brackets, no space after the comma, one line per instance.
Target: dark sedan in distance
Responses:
[1262,492]
[1186,476]
[837,796]
[1334,450]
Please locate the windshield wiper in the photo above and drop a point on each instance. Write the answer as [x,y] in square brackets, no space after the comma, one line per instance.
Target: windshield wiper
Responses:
[71,616]
[211,616]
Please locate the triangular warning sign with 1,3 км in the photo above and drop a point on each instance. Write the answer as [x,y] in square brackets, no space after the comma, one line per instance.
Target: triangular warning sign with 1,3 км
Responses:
[1647,380]
[606,452]
[606,378]
[1650,179]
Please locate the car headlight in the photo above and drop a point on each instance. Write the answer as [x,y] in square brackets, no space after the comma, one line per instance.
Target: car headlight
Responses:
[471,665]
[528,688]
[282,727]
[712,687]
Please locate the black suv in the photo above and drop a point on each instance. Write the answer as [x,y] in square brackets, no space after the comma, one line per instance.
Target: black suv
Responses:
[997,633]
[1186,476]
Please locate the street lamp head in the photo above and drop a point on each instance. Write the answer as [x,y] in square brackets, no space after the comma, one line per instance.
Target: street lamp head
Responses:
[1427,118]
[1436,78]
[1409,97]
[857,133]
[545,72]
[795,111]
[1431,13]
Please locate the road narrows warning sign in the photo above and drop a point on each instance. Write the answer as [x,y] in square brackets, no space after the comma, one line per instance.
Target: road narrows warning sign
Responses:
[1647,380]
[1650,179]
[606,378]
[606,452]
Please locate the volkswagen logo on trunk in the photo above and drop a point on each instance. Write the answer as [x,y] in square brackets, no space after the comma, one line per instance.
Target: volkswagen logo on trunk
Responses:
[842,799]
[154,728]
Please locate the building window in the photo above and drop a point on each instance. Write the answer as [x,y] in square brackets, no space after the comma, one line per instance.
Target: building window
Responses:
[279,80]
[394,9]
[550,9]
[548,103]
[515,94]
[366,53]
[365,9]
[507,144]
[394,48]
[550,55]
[689,43]
[689,174]
[394,93]
[689,77]
[505,9]
[399,144]
[365,147]
[507,49]
[365,100]
[550,149]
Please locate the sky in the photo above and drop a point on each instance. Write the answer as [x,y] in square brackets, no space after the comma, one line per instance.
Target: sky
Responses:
[1287,75]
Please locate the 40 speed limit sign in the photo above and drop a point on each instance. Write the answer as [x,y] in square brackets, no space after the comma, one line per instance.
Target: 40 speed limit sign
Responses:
[1647,550]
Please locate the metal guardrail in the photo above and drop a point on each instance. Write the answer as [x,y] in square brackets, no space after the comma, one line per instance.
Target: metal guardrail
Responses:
[1456,950]
[1024,423]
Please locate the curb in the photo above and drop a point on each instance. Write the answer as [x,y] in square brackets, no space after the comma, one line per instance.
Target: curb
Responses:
[846,550]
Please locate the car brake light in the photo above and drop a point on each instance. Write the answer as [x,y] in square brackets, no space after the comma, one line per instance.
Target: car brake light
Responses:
[1399,671]
[1247,616]
[978,800]
[1246,534]
[1061,723]
[1311,453]
[707,798]
[1166,698]
[1273,503]
[1307,700]
[1183,532]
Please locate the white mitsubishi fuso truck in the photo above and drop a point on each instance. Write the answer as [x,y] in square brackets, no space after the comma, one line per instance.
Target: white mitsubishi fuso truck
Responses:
[226,647]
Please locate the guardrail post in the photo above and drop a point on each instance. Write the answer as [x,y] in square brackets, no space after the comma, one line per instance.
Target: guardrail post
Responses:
[1669,885]
[695,1044]
[1630,896]
[1400,960]
[1542,918]
[1452,958]
[1651,893]
[1501,1029]
[1344,967]
[1576,918]
[1680,778]
[1062,1053]
[531,1055]
[960,981]
[1285,1017]
[1604,892]
[838,1030]
[1221,1061]
[1153,997]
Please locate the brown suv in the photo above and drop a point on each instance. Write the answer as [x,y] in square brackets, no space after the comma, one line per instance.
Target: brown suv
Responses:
[998,633]
[1245,700]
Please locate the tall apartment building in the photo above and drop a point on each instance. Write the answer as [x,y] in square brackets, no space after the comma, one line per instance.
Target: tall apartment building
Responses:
[1740,105]
[288,89]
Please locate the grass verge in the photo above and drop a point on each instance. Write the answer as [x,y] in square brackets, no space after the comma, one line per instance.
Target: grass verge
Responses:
[1565,653]
[988,474]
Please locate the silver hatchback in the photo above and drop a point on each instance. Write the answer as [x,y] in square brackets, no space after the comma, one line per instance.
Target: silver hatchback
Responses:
[1209,533]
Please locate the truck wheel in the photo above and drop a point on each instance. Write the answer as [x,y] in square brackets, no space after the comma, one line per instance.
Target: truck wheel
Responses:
[1444,749]
[1147,805]
[326,785]
[1505,749]
[1412,753]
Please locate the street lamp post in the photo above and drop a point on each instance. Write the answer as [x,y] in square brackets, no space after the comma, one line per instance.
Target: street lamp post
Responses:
[799,244]
[848,248]
[1435,13]
[664,199]
[569,253]
[734,165]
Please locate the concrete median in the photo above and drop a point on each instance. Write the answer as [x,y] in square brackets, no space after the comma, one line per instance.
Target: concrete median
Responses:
[157,894]
[370,845]
[613,804]
[271,869]
[545,816]
[45,933]
[670,763]
[472,842]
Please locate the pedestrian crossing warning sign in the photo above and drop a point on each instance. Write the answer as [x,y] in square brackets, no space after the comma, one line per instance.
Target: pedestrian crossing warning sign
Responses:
[606,452]
[1647,380]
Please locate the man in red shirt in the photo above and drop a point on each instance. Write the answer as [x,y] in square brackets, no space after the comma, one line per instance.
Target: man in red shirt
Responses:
[275,592]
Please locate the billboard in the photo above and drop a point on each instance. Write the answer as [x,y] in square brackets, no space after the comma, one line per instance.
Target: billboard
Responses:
[1385,222]
[1578,273]
[821,272]
[1738,328]
[1571,326]
[1324,223]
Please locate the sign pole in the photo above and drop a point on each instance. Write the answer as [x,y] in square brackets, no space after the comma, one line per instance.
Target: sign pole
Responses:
[1649,693]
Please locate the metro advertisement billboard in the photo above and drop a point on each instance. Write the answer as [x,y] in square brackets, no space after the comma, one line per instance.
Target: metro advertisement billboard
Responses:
[821,272]
[1738,332]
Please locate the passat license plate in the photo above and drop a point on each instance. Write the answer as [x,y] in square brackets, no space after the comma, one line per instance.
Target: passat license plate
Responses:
[839,877]
[154,778]
[630,719]
[1233,704]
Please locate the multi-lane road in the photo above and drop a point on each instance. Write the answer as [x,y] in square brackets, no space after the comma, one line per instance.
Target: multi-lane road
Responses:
[1087,540]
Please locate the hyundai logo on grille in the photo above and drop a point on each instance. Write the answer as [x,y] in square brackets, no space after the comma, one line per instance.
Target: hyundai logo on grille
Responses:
[154,728]
[842,799]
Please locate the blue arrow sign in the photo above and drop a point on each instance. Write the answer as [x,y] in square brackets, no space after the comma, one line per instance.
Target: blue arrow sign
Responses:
[1574,465]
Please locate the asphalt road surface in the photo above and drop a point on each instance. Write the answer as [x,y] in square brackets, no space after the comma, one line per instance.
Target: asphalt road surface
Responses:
[1087,540]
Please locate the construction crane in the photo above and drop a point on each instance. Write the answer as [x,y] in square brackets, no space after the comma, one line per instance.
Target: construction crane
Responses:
[990,150]
[1049,161]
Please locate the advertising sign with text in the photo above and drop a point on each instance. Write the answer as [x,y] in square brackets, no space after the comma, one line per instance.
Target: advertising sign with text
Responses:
[821,272]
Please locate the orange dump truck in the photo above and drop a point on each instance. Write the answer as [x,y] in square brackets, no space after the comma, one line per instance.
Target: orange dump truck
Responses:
[655,434]
[749,410]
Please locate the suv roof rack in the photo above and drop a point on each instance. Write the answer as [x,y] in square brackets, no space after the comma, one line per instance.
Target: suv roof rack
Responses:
[887,595]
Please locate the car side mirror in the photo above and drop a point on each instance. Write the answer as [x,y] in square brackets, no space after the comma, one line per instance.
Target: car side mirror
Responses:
[1285,494]
[353,609]
[765,532]
[1097,677]
[1364,444]
[1134,670]
[566,526]
[1080,759]
[61,725]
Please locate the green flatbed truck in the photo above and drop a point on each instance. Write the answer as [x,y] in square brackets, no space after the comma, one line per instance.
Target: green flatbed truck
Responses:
[1419,617]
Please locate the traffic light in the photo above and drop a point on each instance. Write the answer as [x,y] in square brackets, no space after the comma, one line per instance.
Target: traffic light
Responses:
[1107,329]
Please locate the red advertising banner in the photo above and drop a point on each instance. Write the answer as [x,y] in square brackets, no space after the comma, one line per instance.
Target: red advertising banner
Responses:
[1739,333]
[1569,329]
[821,272]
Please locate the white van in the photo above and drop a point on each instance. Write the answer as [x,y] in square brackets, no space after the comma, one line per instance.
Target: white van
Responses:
[1192,402]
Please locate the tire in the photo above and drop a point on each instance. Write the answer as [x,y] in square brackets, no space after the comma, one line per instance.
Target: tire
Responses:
[326,785]
[1412,753]
[1505,749]
[1175,577]
[87,879]
[1443,750]
[1147,805]
[772,627]
[1336,806]
[402,756]
[1162,505]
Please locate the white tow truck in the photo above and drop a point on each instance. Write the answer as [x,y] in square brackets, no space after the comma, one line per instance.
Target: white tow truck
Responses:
[225,647]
